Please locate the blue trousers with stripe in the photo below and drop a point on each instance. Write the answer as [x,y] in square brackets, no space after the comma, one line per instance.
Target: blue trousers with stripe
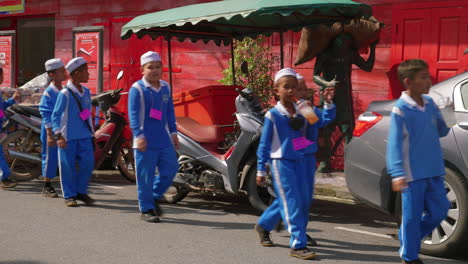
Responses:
[292,200]
[424,207]
[76,164]
[49,157]
[5,169]
[268,221]
[152,187]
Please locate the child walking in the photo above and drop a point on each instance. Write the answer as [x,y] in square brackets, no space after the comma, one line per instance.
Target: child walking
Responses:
[414,159]
[72,126]
[288,141]
[56,71]
[6,182]
[152,120]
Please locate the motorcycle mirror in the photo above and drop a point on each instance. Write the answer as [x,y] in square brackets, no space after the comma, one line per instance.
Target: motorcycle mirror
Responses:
[120,75]
[245,67]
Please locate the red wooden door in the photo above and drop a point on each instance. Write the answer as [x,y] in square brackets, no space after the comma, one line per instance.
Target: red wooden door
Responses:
[449,41]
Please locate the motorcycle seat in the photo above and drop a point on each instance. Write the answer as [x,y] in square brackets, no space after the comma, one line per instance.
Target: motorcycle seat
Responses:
[198,132]
[26,110]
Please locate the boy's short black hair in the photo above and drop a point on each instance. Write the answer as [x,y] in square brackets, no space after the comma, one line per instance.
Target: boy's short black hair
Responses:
[51,71]
[409,68]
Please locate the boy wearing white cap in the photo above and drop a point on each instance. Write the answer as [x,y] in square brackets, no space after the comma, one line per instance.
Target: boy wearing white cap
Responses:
[73,131]
[152,120]
[56,71]
[6,182]
[288,142]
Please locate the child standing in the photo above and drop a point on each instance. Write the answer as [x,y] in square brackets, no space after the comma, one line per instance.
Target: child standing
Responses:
[4,168]
[289,142]
[72,126]
[56,71]
[414,159]
[152,120]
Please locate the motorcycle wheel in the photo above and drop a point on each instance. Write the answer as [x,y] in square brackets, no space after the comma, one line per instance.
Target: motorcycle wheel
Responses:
[19,141]
[260,198]
[175,193]
[126,162]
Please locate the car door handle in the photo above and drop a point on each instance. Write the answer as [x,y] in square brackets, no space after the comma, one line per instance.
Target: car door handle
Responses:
[463,125]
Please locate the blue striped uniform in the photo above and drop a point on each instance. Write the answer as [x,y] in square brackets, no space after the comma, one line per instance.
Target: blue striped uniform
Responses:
[160,151]
[5,169]
[414,152]
[66,120]
[49,154]
[293,171]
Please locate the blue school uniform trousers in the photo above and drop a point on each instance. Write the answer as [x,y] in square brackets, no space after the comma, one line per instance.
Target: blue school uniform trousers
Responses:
[292,171]
[5,169]
[414,152]
[76,161]
[151,114]
[49,154]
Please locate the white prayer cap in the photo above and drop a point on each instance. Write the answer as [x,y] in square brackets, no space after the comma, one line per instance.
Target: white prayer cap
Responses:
[299,76]
[285,72]
[149,57]
[53,64]
[75,63]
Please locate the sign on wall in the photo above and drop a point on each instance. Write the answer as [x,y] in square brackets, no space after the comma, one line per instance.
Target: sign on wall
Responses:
[11,6]
[87,43]
[7,39]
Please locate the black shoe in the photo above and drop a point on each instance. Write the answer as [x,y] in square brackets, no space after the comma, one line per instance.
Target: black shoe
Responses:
[71,202]
[302,253]
[264,236]
[85,199]
[49,192]
[150,216]
[416,261]
[7,183]
[158,209]
[310,241]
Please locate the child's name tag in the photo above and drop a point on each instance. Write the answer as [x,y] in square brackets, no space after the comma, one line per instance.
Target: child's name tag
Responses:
[85,114]
[301,143]
[2,114]
[156,114]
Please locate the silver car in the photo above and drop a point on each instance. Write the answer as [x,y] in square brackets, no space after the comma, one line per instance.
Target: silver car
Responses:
[367,177]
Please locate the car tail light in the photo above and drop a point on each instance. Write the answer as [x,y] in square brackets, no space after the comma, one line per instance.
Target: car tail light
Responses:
[365,122]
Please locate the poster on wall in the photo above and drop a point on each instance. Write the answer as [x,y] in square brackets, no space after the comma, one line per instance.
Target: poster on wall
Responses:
[87,43]
[11,6]
[6,58]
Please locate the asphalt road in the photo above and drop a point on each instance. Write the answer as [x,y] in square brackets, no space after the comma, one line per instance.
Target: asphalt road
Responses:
[37,230]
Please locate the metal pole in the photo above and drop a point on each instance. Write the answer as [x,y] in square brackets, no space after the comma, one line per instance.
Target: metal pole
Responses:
[232,63]
[170,62]
[281,50]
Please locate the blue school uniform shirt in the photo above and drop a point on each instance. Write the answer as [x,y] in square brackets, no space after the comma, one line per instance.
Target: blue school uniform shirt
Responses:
[47,104]
[142,98]
[66,115]
[277,135]
[413,148]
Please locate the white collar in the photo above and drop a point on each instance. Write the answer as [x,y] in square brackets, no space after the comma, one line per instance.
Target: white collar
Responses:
[147,84]
[410,101]
[283,109]
[74,89]
[52,85]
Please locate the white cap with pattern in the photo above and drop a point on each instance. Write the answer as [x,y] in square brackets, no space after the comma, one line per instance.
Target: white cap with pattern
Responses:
[75,63]
[53,64]
[285,72]
[149,57]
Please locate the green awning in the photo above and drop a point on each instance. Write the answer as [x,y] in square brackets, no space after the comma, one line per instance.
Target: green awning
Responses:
[223,20]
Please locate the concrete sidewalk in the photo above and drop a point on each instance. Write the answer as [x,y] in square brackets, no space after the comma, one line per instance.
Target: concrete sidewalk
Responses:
[332,186]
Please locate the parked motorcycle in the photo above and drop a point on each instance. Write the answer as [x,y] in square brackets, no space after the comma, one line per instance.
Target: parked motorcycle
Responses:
[22,147]
[205,167]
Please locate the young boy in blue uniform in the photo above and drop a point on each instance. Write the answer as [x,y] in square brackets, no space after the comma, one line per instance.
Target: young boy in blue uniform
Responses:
[56,71]
[72,126]
[6,182]
[152,120]
[414,159]
[288,141]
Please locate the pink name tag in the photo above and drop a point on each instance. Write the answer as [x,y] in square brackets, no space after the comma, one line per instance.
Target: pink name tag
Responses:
[301,142]
[156,114]
[2,114]
[85,114]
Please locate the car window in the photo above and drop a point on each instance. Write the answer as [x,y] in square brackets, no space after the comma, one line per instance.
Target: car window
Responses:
[464,94]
